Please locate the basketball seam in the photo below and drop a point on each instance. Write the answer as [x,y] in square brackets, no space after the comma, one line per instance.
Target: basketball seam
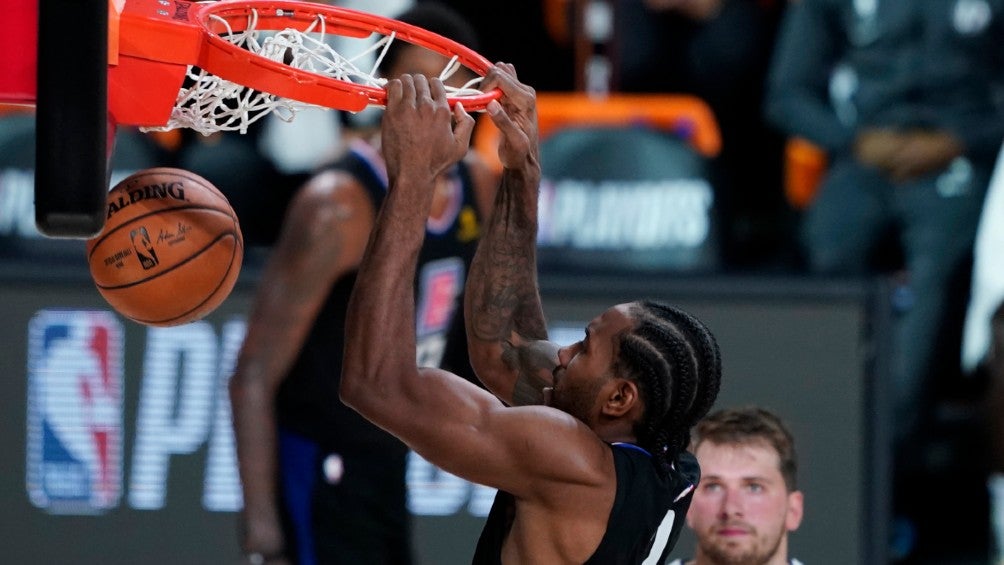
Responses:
[172,268]
[98,242]
[204,183]
[230,266]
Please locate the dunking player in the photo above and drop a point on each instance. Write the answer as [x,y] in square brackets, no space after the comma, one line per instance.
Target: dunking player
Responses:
[585,442]
[322,485]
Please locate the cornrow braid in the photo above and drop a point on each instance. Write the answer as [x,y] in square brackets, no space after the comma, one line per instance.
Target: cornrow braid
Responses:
[675,360]
[711,360]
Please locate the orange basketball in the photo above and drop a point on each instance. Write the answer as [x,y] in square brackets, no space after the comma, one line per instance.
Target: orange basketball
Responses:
[171,248]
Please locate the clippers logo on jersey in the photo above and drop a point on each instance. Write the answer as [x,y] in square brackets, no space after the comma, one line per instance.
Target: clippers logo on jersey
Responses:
[440,283]
[74,446]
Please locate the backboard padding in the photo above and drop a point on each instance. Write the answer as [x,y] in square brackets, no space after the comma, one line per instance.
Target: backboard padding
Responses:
[71,119]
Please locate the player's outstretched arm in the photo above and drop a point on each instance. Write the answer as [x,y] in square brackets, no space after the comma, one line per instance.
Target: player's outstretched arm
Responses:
[506,330]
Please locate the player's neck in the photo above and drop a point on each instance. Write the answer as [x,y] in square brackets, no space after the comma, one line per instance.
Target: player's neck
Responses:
[615,430]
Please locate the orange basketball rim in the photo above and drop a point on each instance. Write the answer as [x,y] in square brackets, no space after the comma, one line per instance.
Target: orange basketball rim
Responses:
[152,43]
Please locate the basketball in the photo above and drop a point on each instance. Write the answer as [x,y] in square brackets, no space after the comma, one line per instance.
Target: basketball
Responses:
[170,250]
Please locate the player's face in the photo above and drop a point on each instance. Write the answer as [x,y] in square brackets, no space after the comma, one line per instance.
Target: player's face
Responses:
[585,366]
[420,61]
[742,511]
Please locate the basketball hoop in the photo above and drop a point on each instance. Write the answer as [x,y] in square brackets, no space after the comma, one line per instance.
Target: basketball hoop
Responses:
[227,64]
[166,64]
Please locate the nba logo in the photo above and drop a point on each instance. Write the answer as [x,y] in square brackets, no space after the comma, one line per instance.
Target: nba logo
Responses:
[143,246]
[74,411]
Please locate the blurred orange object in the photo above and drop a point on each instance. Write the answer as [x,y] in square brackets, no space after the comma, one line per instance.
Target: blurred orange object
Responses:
[687,116]
[804,166]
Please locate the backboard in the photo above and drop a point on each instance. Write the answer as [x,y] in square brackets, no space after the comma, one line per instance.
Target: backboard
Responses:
[55,58]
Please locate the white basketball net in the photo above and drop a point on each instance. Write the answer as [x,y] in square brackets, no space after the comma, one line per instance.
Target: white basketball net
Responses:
[210,104]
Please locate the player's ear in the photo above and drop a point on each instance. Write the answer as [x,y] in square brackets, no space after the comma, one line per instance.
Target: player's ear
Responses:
[621,397]
[794,516]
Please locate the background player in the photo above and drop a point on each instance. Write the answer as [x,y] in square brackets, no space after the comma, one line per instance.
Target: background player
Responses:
[748,499]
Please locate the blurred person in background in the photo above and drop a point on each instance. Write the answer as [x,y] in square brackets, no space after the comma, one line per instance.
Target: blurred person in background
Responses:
[321,484]
[748,499]
[983,343]
[542,55]
[993,364]
[904,98]
[719,51]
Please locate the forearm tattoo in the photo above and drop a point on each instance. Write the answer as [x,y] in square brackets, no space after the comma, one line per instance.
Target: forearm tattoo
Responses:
[534,363]
[508,299]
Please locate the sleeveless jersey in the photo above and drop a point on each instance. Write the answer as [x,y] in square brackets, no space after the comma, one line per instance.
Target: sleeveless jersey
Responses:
[307,401]
[646,519]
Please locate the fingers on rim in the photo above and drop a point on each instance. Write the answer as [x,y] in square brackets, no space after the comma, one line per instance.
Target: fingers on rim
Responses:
[437,89]
[419,86]
[503,77]
[461,116]
[502,120]
[394,89]
[408,87]
[464,124]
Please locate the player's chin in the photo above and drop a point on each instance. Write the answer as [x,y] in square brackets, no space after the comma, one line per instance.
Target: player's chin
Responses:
[730,553]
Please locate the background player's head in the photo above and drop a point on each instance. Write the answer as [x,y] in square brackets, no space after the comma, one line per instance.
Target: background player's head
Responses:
[748,498]
[403,57]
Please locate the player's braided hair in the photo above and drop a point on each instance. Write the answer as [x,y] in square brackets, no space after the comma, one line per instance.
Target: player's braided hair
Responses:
[675,360]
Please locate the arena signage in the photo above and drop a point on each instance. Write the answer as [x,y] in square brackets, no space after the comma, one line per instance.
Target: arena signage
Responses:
[625,215]
[77,460]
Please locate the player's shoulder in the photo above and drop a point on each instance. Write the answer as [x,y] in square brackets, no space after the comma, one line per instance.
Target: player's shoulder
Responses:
[328,187]
[325,204]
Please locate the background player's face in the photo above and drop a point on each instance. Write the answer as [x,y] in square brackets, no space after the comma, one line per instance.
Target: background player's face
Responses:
[742,511]
[420,61]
